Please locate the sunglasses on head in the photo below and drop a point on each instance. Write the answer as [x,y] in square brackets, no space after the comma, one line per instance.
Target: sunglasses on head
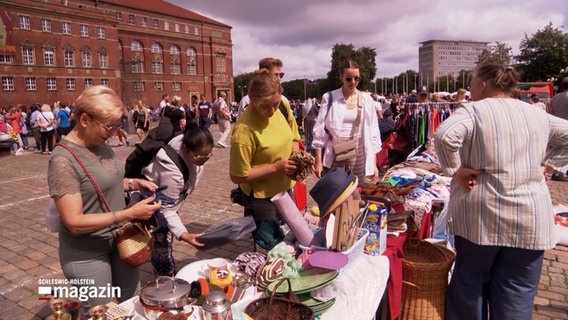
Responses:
[350,79]
[280,75]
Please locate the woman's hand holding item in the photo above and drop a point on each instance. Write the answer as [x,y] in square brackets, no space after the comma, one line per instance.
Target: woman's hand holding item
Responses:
[144,209]
[191,238]
[144,185]
[285,166]
[467,177]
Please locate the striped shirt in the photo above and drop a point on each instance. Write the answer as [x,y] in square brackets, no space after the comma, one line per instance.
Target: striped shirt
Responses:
[510,206]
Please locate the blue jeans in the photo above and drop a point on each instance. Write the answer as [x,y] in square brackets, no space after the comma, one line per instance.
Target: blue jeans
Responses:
[491,282]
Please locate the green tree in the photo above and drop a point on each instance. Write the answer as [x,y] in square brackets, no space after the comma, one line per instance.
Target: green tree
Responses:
[543,54]
[499,53]
[364,56]
[240,85]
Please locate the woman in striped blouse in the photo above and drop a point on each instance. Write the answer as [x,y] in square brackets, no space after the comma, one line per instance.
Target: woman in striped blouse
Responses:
[494,148]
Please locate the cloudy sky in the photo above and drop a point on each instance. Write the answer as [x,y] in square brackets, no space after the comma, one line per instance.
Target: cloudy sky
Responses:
[302,32]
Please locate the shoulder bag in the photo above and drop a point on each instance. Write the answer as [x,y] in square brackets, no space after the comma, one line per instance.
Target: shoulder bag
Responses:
[346,150]
[133,241]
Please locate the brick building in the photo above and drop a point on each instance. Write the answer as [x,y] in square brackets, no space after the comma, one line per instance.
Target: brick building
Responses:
[50,50]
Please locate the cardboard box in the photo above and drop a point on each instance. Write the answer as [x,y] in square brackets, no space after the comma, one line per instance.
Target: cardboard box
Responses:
[376,223]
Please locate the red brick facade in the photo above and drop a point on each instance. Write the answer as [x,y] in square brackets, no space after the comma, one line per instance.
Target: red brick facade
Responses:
[141,49]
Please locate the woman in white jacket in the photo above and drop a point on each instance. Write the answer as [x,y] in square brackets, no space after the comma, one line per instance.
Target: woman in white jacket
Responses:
[336,123]
[195,148]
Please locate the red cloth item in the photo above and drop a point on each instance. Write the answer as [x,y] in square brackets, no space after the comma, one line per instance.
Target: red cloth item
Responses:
[424,231]
[395,253]
[300,196]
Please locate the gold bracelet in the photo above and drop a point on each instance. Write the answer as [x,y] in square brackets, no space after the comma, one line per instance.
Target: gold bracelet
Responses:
[114,218]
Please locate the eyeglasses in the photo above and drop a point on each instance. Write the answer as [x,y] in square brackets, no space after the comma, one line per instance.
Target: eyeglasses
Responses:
[202,156]
[349,79]
[109,129]
[280,75]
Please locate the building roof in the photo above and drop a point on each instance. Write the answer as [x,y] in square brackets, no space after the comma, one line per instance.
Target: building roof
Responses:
[166,8]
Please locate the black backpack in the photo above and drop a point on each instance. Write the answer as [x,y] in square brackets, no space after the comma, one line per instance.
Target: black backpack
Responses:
[146,150]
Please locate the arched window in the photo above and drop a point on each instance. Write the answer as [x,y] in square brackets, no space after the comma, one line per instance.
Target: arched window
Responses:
[157,65]
[192,61]
[156,48]
[86,56]
[174,50]
[136,46]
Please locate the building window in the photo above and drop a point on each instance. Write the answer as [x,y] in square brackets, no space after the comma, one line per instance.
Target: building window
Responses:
[28,55]
[86,58]
[131,19]
[31,84]
[144,21]
[101,32]
[190,52]
[136,46]
[118,16]
[45,25]
[51,84]
[25,22]
[69,58]
[174,50]
[220,62]
[175,67]
[191,69]
[138,66]
[186,28]
[176,86]
[156,48]
[8,84]
[166,25]
[104,82]
[49,57]
[84,29]
[138,86]
[156,23]
[70,84]
[88,82]
[176,27]
[5,58]
[159,86]
[66,27]
[103,60]
[157,66]
[196,31]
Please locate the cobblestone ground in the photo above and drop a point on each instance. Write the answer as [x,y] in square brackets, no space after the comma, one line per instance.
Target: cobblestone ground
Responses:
[28,252]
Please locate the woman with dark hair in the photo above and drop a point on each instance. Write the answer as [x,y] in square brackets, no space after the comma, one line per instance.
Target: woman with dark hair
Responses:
[494,149]
[347,114]
[195,146]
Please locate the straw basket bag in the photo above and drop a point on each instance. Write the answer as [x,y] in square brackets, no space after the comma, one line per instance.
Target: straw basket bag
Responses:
[134,244]
[425,270]
[286,307]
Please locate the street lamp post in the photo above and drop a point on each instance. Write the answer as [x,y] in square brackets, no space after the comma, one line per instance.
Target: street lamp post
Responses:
[305,97]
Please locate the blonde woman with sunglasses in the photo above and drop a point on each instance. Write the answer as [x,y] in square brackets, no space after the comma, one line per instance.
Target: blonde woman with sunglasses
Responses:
[347,114]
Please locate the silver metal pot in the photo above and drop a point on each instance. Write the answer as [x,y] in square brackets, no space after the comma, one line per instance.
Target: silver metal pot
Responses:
[216,306]
[165,293]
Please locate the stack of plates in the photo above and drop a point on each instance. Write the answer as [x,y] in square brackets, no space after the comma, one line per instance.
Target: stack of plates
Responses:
[306,281]
[319,307]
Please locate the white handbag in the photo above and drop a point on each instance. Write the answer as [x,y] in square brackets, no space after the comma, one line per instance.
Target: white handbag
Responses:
[52,217]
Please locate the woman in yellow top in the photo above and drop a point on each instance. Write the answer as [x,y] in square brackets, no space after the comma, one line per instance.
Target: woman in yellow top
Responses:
[262,141]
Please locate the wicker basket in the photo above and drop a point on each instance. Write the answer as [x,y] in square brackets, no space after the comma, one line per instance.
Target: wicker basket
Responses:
[425,269]
[134,244]
[286,307]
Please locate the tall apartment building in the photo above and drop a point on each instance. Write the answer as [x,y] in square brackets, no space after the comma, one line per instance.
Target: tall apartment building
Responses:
[51,50]
[439,58]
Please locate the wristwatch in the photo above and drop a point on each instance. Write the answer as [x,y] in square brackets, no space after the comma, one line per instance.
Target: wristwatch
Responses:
[130,185]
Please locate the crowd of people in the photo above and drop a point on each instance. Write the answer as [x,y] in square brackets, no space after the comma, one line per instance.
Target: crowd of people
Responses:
[345,128]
